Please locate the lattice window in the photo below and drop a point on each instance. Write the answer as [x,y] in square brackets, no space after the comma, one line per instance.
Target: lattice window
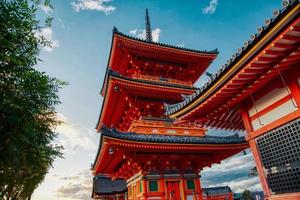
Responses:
[190,184]
[153,186]
[280,154]
[141,186]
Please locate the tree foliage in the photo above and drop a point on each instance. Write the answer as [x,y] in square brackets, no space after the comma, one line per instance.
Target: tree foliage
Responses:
[246,195]
[27,102]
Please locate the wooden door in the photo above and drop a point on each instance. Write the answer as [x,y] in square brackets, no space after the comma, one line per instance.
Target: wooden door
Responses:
[173,190]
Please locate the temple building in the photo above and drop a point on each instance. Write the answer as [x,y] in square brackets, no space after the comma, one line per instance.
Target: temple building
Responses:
[217,193]
[140,142]
[258,90]
[104,188]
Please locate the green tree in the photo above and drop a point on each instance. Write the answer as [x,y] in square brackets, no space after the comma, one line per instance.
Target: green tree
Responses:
[246,195]
[27,101]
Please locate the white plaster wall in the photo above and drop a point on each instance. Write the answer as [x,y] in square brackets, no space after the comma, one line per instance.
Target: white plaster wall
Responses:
[268,99]
[273,115]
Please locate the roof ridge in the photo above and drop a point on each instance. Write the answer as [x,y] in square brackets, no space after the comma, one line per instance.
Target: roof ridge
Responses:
[116,31]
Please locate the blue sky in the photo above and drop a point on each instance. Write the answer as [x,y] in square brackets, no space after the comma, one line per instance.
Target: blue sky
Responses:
[81,35]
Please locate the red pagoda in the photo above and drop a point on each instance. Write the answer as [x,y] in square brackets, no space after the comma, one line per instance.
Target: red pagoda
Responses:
[258,90]
[159,159]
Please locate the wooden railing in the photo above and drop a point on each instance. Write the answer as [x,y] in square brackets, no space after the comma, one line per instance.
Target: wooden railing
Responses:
[162,80]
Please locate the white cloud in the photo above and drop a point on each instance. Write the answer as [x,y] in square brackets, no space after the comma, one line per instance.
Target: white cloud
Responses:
[181,44]
[47,33]
[211,8]
[141,33]
[156,34]
[233,172]
[78,186]
[67,185]
[235,162]
[71,178]
[74,137]
[138,33]
[98,5]
[133,32]
[46,9]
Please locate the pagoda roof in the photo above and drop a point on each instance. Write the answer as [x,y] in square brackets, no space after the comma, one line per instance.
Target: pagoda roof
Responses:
[239,60]
[112,73]
[160,138]
[116,147]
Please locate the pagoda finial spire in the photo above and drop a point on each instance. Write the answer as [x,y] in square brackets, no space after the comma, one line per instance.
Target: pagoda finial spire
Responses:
[148,27]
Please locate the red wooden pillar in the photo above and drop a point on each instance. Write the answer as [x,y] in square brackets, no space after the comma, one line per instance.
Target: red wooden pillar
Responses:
[295,91]
[246,119]
[231,196]
[198,193]
[259,166]
[145,189]
[162,188]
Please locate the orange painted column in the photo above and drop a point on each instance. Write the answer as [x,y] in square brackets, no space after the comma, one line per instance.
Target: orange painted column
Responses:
[182,188]
[258,162]
[145,189]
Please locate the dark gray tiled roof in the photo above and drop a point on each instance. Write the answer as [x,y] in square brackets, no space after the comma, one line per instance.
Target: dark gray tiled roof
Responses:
[254,195]
[159,138]
[103,185]
[287,5]
[115,31]
[216,190]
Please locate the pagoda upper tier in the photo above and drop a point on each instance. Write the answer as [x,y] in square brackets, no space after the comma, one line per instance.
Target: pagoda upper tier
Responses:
[148,60]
